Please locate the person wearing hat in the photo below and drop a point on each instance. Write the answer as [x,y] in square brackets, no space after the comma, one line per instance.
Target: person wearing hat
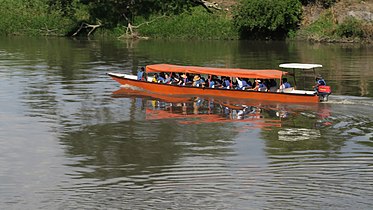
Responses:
[197,81]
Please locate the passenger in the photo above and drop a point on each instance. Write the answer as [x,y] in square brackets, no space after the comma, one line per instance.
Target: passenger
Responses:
[197,81]
[226,83]
[259,86]
[285,84]
[218,83]
[155,78]
[272,85]
[167,79]
[249,84]
[241,84]
[141,74]
[161,78]
[319,82]
[204,82]
[175,79]
[184,80]
[262,86]
[211,83]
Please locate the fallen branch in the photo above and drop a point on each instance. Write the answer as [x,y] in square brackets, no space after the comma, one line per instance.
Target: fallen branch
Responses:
[130,29]
[213,5]
[86,26]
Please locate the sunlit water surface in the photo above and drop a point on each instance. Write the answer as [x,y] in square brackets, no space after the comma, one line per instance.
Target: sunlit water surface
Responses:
[71,138]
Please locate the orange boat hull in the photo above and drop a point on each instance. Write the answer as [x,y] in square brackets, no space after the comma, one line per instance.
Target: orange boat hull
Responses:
[229,93]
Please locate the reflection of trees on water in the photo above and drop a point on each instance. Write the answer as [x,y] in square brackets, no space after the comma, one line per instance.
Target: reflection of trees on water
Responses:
[138,146]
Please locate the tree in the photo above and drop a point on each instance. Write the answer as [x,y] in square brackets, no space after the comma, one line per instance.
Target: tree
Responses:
[267,19]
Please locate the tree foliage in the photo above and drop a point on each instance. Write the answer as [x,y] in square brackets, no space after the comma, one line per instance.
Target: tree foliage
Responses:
[112,12]
[263,19]
[350,28]
[324,3]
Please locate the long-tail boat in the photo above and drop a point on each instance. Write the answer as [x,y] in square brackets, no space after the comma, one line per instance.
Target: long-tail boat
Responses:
[288,95]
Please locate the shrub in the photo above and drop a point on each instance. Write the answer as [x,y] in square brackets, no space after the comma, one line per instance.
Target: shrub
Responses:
[22,17]
[321,30]
[350,28]
[197,24]
[261,19]
[324,3]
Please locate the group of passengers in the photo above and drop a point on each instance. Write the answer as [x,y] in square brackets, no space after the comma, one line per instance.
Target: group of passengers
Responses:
[185,79]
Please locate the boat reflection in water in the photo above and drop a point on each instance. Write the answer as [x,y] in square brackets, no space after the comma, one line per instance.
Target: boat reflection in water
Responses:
[197,110]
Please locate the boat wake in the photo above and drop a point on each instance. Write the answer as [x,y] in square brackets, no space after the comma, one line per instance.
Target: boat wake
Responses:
[350,100]
[298,134]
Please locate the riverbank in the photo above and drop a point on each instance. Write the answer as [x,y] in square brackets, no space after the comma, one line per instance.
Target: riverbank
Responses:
[344,21]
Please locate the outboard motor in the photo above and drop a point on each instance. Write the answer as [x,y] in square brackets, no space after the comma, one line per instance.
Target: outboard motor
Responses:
[323,92]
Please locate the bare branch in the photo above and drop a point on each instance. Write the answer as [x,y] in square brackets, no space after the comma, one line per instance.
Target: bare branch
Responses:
[86,26]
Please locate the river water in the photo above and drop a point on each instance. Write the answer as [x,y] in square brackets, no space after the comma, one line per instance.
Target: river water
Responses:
[71,138]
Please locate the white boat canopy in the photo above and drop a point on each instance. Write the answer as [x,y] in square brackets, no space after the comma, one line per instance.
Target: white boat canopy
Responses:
[299,65]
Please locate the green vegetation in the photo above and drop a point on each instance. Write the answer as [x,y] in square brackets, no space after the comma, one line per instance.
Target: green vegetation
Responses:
[324,3]
[350,28]
[267,18]
[175,19]
[196,24]
[20,17]
[326,29]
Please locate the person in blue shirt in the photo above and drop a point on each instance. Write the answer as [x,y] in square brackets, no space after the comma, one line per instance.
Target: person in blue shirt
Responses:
[161,78]
[319,82]
[167,79]
[241,84]
[197,81]
[285,84]
[140,74]
[211,82]
[226,83]
[259,86]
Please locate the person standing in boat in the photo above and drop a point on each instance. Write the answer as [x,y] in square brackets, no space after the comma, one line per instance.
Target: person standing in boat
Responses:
[141,74]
